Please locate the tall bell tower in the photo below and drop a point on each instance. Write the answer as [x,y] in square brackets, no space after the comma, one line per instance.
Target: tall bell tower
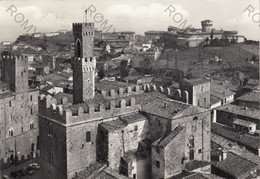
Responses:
[84,62]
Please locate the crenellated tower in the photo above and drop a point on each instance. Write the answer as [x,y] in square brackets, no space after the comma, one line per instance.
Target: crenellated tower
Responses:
[15,72]
[84,62]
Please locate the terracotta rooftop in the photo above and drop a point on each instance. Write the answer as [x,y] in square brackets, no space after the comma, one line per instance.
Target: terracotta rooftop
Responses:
[132,118]
[240,110]
[251,84]
[253,96]
[122,121]
[195,164]
[113,125]
[235,165]
[163,142]
[220,91]
[99,171]
[232,146]
[241,122]
[214,99]
[197,81]
[233,135]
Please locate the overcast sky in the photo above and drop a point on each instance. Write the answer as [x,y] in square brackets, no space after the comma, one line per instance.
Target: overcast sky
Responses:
[132,15]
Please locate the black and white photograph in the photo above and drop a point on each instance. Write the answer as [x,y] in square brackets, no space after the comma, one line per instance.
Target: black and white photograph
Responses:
[130,89]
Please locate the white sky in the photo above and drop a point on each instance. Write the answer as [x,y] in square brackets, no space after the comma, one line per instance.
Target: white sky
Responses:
[132,15]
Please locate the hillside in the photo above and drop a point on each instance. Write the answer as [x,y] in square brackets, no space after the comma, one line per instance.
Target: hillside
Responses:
[234,58]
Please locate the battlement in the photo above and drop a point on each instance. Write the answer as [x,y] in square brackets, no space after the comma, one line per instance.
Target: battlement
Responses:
[206,22]
[175,94]
[68,113]
[81,27]
[18,57]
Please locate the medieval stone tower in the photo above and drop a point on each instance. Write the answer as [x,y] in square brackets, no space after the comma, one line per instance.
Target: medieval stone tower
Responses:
[206,25]
[84,64]
[15,73]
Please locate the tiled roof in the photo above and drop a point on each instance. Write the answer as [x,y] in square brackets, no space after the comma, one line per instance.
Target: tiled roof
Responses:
[240,110]
[122,121]
[59,97]
[163,142]
[132,118]
[251,84]
[197,81]
[220,91]
[195,164]
[113,125]
[188,175]
[164,108]
[108,85]
[233,135]
[99,171]
[235,165]
[232,146]
[195,176]
[154,32]
[242,123]
[214,99]
[251,97]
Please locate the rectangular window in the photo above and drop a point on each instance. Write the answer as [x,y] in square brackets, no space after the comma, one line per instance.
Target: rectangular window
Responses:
[10,117]
[31,98]
[31,110]
[205,100]
[158,150]
[191,154]
[51,157]
[198,102]
[88,136]
[199,151]
[136,128]
[10,103]
[157,164]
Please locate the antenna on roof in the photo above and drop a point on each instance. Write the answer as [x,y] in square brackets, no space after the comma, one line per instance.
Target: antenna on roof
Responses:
[83,13]
[86,14]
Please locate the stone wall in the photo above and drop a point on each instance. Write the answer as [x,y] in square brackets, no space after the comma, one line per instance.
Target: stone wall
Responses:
[19,126]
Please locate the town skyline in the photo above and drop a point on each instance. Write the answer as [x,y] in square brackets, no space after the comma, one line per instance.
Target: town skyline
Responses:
[46,19]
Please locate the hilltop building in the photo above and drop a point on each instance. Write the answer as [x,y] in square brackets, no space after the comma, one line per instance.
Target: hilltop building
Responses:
[192,37]
[137,131]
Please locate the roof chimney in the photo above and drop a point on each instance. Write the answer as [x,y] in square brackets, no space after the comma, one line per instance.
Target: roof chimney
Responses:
[223,155]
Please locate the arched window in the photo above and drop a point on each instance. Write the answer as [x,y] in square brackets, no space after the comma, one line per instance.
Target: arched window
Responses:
[195,118]
[50,130]
[78,48]
[191,155]
[32,147]
[31,125]
[11,132]
[10,117]
[191,142]
[51,157]
[88,136]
